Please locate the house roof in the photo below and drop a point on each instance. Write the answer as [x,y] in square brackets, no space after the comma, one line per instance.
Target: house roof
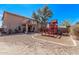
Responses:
[15,15]
[25,21]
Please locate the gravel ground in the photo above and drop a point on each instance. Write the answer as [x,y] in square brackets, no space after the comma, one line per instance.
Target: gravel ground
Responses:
[22,44]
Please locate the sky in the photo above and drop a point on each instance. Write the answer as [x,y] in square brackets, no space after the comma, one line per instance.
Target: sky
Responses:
[61,12]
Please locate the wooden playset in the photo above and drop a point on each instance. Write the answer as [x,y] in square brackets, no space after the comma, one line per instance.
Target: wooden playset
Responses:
[53,30]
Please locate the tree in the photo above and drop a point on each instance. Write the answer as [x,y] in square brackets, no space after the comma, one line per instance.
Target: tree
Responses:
[42,15]
[65,23]
[77,23]
[35,17]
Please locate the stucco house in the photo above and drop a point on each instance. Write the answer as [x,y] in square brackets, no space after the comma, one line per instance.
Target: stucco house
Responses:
[13,22]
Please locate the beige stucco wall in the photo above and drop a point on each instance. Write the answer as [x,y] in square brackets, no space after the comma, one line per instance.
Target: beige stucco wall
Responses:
[12,21]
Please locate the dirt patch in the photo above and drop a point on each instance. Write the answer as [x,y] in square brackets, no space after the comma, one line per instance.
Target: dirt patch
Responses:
[64,40]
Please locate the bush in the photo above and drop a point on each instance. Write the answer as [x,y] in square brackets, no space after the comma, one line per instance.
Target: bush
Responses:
[76,31]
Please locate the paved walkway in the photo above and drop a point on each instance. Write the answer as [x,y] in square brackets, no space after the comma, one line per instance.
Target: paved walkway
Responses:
[25,44]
